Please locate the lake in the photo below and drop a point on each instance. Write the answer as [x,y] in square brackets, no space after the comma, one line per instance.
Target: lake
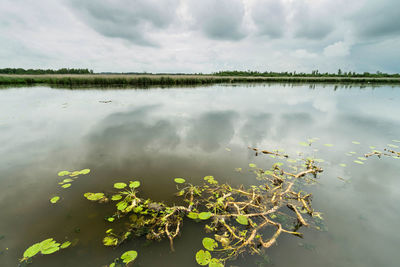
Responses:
[154,135]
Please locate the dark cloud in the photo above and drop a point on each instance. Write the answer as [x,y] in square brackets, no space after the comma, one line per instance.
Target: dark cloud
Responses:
[312,21]
[378,19]
[269,17]
[220,20]
[129,20]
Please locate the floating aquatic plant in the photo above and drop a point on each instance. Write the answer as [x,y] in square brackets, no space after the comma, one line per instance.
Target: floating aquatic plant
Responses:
[47,246]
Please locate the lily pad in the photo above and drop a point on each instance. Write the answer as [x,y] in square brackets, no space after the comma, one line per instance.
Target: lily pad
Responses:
[179,180]
[242,220]
[54,199]
[68,180]
[203,257]
[252,165]
[205,215]
[116,197]
[65,244]
[94,196]
[110,241]
[66,185]
[215,263]
[193,215]
[209,243]
[129,256]
[63,173]
[134,184]
[84,171]
[32,250]
[120,185]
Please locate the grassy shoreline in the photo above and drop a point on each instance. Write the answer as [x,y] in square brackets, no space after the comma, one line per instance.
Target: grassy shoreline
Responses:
[171,80]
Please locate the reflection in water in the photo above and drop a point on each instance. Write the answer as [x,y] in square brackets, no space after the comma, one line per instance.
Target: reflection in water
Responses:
[156,135]
[212,130]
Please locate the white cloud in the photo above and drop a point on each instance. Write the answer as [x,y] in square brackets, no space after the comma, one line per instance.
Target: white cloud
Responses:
[338,49]
[200,36]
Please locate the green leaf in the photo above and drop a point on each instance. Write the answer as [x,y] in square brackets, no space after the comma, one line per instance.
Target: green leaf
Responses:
[120,185]
[359,162]
[355,142]
[215,263]
[252,165]
[32,250]
[47,243]
[68,180]
[50,250]
[75,173]
[116,197]
[63,173]
[65,244]
[54,199]
[112,265]
[122,205]
[242,220]
[342,165]
[84,171]
[93,196]
[134,184]
[66,185]
[129,256]
[205,215]
[110,241]
[110,219]
[179,180]
[203,257]
[193,215]
[209,243]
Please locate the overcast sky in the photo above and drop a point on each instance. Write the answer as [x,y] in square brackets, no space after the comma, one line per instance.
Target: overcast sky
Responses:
[201,35]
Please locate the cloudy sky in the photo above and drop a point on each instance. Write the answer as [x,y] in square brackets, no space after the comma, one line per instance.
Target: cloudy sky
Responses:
[201,35]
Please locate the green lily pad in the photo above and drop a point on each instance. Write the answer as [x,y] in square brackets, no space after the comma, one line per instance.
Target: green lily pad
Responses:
[392,146]
[66,185]
[134,184]
[65,244]
[193,215]
[203,257]
[63,173]
[94,196]
[215,263]
[205,215]
[84,171]
[252,165]
[50,250]
[129,256]
[32,250]
[179,180]
[242,220]
[68,180]
[116,197]
[120,185]
[209,243]
[54,199]
[110,219]
[110,241]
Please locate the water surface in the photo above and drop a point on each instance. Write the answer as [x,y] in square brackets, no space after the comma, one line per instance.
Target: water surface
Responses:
[154,135]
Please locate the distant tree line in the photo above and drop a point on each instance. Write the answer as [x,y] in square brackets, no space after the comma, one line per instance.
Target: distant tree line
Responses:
[314,73]
[48,71]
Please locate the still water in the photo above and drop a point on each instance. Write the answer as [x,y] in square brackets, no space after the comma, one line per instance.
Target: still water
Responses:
[154,135]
